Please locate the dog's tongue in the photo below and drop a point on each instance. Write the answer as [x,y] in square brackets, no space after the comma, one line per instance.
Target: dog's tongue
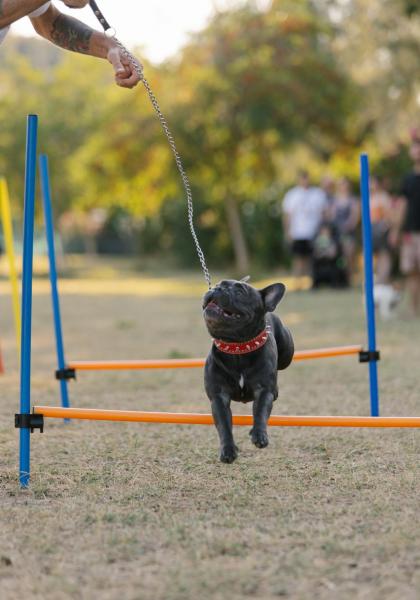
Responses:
[212,303]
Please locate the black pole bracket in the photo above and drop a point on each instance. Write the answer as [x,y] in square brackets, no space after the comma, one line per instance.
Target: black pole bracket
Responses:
[367,356]
[31,421]
[65,374]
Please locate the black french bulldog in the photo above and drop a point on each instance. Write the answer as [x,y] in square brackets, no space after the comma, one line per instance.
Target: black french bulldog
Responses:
[249,345]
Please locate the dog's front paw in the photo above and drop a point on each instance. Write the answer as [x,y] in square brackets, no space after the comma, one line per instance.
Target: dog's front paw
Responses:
[228,453]
[259,437]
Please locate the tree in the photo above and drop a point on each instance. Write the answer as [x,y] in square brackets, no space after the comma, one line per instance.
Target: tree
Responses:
[248,88]
[378,44]
[245,90]
[70,106]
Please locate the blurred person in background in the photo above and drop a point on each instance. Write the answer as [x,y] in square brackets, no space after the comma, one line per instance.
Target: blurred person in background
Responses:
[381,217]
[329,265]
[344,214]
[303,207]
[328,185]
[410,230]
[68,33]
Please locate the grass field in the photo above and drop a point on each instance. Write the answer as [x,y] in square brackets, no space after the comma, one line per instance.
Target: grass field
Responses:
[133,512]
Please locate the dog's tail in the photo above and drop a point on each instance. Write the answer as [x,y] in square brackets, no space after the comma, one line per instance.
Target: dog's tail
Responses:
[286,349]
[284,342]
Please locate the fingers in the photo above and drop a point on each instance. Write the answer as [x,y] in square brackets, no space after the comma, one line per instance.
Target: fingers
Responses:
[127,81]
[127,78]
[119,68]
[125,75]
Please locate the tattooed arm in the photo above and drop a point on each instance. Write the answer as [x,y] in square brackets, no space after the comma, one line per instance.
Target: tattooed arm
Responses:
[72,34]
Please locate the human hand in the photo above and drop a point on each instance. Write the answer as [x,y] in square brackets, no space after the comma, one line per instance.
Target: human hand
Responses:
[75,3]
[125,74]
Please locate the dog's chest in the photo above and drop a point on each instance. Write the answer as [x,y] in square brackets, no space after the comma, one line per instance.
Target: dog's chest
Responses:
[245,389]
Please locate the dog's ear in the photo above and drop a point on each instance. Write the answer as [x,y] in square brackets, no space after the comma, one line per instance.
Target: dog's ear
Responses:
[271,295]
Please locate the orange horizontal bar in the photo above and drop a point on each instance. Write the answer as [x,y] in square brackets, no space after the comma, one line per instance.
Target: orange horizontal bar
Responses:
[185,363]
[94,414]
[134,365]
[327,352]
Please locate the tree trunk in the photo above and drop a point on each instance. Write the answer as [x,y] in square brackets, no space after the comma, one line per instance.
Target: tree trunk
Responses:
[238,239]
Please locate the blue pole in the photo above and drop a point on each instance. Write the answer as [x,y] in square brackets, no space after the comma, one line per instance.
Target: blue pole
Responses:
[368,268]
[28,243]
[49,228]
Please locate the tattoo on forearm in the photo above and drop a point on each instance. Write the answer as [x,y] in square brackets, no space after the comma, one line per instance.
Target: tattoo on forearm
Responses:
[71,34]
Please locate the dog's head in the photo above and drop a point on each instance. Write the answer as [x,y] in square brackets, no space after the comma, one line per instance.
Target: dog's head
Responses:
[235,311]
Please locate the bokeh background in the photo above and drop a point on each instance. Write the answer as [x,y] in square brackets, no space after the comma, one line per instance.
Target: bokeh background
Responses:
[256,92]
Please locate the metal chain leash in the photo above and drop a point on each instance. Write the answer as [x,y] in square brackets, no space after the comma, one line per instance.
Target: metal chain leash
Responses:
[185,180]
[138,67]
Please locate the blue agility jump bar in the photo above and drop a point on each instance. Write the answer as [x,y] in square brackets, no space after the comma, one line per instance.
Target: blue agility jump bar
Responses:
[368,270]
[49,229]
[27,268]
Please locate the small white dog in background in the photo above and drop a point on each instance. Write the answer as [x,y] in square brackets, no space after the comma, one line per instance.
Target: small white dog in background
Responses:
[386,298]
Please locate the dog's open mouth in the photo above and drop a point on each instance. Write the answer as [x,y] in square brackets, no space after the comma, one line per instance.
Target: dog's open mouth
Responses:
[213,307]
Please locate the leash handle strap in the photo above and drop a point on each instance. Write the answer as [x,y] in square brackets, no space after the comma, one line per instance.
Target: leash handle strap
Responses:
[99,15]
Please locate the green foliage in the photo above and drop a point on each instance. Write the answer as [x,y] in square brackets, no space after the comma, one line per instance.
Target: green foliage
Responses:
[379,45]
[245,90]
[251,99]
[69,101]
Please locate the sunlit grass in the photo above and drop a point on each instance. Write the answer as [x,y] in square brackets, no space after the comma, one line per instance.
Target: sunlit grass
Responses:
[99,277]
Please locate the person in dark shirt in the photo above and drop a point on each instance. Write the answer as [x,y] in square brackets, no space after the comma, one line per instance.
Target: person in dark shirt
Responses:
[410,229]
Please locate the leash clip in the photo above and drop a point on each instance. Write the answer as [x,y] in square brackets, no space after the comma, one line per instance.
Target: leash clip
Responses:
[110,33]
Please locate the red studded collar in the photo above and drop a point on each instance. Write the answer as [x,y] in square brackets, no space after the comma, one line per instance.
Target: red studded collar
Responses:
[243,347]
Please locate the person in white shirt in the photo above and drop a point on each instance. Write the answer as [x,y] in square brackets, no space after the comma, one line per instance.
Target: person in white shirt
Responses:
[68,33]
[304,207]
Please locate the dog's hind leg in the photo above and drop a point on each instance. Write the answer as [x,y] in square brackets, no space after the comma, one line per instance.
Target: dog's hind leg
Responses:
[222,415]
[261,410]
